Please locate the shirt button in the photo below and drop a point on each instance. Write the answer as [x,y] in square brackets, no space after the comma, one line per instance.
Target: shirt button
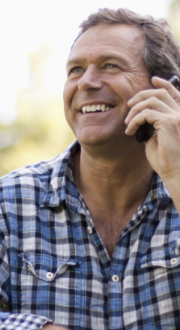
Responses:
[89,230]
[115,278]
[49,275]
[174,261]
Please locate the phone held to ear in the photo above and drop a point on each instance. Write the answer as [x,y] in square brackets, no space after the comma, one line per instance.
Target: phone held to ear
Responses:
[146,130]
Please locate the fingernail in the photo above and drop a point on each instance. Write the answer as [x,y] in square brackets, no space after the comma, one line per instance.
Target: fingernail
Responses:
[126,120]
[157,78]
[130,100]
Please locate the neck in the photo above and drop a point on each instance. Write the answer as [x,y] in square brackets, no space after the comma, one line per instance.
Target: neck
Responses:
[119,181]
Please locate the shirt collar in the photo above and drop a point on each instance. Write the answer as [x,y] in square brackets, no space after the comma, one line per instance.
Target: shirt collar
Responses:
[62,186]
[158,192]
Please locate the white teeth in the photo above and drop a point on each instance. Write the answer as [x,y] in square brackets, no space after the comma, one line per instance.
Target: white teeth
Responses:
[84,109]
[93,108]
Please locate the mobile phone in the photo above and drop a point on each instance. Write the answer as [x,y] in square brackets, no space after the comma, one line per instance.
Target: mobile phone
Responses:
[146,130]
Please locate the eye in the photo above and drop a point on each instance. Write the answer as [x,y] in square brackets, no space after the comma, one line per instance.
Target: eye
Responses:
[76,69]
[111,66]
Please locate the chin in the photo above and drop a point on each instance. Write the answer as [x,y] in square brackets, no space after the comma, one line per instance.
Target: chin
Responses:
[92,140]
[94,137]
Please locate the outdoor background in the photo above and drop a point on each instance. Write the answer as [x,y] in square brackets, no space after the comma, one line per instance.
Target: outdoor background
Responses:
[35,39]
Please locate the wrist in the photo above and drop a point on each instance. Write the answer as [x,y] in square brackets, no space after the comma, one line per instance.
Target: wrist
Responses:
[173,185]
[171,179]
[52,326]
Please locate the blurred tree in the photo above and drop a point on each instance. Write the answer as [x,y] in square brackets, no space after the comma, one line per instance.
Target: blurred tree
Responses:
[40,130]
[174,17]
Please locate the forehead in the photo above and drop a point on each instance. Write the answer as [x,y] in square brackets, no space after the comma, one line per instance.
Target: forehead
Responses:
[115,38]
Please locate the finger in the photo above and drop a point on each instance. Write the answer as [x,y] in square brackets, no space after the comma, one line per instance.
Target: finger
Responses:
[161,94]
[150,116]
[171,90]
[151,103]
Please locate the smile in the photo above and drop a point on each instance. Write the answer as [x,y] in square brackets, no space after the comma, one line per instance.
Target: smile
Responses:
[96,108]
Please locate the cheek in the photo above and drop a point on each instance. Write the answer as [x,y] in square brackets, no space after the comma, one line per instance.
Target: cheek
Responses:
[139,82]
[70,88]
[128,84]
[122,87]
[67,97]
[70,120]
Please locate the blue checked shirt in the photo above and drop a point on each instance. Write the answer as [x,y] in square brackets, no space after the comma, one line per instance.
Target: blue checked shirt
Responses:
[54,267]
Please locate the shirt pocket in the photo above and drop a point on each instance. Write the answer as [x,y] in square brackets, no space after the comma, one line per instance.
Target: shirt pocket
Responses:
[46,286]
[161,259]
[44,267]
[161,285]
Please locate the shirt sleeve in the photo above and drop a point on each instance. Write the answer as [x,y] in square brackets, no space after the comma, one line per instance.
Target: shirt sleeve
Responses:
[22,322]
[9,321]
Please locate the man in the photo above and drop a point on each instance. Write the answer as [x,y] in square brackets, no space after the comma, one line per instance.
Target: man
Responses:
[91,239]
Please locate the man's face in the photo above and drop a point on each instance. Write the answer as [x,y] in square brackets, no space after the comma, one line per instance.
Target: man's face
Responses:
[105,69]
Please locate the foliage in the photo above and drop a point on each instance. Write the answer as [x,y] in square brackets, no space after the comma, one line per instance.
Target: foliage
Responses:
[40,130]
[174,17]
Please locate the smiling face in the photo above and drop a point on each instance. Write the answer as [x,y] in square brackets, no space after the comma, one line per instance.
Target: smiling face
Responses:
[105,69]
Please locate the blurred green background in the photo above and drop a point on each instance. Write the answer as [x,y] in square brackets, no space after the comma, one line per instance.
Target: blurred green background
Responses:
[40,130]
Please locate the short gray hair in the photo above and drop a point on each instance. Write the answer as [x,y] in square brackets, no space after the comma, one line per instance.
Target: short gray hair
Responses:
[161,51]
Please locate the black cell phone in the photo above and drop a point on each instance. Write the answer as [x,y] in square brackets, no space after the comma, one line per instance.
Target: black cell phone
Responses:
[146,130]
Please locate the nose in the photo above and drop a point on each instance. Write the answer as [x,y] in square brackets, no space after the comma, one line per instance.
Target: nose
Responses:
[90,80]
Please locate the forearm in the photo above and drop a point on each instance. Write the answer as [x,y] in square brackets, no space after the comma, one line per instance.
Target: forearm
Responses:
[53,327]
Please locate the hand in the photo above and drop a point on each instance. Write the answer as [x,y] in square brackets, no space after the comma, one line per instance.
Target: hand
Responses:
[53,327]
[160,107]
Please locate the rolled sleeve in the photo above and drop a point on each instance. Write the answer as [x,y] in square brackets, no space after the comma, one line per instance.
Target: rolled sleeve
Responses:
[23,322]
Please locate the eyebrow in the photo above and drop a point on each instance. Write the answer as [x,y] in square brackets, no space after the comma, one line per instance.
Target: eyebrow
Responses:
[102,58]
[75,60]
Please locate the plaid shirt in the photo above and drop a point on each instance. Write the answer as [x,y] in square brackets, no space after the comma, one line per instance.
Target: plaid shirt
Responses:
[54,265]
